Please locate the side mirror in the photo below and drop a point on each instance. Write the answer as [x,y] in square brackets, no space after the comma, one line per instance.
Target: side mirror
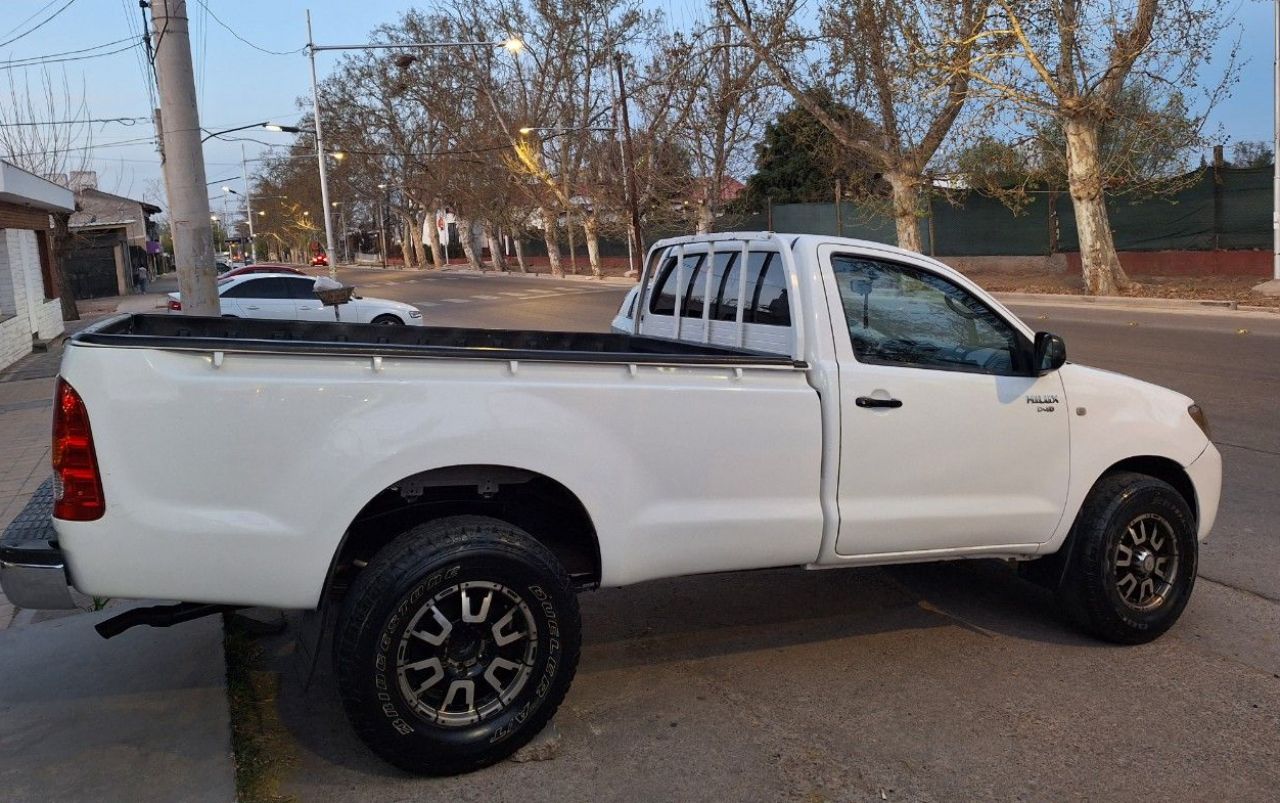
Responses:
[1050,353]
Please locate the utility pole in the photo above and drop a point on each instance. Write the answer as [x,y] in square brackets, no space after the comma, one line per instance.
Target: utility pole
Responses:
[628,167]
[1275,153]
[248,207]
[184,175]
[324,171]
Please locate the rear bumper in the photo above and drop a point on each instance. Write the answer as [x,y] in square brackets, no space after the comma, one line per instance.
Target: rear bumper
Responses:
[33,573]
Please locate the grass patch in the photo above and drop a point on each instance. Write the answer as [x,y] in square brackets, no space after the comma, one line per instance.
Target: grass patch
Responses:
[256,734]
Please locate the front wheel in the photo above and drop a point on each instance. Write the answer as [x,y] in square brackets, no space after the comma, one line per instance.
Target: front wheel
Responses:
[1133,561]
[387,320]
[456,645]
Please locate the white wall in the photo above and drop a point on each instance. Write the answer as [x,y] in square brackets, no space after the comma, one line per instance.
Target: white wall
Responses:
[24,312]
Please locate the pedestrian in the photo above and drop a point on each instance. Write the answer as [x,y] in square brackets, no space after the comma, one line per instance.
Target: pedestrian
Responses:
[141,276]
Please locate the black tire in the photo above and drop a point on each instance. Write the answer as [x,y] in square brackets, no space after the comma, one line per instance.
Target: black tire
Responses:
[1133,559]
[387,320]
[420,577]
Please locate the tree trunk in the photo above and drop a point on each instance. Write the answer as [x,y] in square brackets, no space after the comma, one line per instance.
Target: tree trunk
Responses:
[466,235]
[433,238]
[406,245]
[591,232]
[705,217]
[519,244]
[573,248]
[1099,262]
[61,249]
[551,234]
[906,201]
[415,239]
[494,239]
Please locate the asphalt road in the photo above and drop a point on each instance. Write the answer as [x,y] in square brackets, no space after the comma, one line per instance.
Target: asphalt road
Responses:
[918,683]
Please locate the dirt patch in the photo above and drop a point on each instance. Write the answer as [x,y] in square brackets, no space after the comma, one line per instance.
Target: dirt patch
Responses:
[257,742]
[1218,288]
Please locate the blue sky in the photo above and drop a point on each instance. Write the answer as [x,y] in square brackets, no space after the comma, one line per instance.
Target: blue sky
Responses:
[239,85]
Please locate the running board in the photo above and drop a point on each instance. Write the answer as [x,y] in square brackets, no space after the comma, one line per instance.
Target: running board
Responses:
[159,616]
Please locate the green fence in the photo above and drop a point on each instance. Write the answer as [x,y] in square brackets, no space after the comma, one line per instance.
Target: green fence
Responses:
[1215,209]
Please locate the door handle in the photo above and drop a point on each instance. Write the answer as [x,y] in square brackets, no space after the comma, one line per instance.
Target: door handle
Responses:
[247,306]
[868,402]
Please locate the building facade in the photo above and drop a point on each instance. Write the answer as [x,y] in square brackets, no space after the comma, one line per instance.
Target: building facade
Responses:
[110,236]
[29,307]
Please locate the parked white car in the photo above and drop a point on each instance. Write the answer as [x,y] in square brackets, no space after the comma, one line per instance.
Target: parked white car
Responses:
[779,400]
[289,297]
[623,322]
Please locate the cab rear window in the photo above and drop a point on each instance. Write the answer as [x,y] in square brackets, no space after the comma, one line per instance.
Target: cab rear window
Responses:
[765,298]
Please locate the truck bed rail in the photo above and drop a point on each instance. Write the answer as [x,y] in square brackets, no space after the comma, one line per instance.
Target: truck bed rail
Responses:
[194,333]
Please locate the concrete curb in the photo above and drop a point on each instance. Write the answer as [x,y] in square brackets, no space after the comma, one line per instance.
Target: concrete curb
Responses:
[510,274]
[143,303]
[1064,299]
[620,280]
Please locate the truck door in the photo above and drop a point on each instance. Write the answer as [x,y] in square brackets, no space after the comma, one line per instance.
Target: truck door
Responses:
[949,440]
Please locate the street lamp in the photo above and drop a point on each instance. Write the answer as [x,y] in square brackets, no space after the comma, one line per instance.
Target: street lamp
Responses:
[512,45]
[526,130]
[268,126]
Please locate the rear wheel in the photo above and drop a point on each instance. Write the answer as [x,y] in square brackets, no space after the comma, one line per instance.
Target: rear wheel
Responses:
[456,645]
[1133,560]
[387,320]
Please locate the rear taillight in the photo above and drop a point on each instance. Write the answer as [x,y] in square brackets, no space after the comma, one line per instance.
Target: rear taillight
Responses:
[77,486]
[175,305]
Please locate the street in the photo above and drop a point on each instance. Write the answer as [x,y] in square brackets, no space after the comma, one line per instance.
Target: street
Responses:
[929,682]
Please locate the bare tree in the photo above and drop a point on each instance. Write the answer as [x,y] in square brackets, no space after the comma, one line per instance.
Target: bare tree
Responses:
[723,97]
[1071,61]
[906,64]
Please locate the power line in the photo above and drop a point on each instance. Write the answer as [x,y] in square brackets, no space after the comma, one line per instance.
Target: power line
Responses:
[142,57]
[232,31]
[67,52]
[120,120]
[12,66]
[38,25]
[34,14]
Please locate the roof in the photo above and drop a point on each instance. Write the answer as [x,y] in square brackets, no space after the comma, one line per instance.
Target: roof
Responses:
[18,186]
[149,208]
[98,209]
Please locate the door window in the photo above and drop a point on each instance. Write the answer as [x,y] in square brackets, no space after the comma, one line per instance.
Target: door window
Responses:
[301,289]
[269,287]
[906,316]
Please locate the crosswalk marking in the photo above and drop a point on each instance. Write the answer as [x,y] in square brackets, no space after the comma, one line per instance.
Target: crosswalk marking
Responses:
[487,298]
[425,304]
[457,300]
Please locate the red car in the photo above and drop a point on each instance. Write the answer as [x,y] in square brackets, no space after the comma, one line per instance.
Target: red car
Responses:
[320,261]
[262,267]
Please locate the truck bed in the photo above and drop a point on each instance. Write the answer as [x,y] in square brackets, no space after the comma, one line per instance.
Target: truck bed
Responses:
[194,333]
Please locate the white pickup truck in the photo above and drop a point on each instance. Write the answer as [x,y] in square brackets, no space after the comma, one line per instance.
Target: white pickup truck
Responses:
[781,400]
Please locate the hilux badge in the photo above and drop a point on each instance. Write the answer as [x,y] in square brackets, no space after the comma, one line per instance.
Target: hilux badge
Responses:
[1042,400]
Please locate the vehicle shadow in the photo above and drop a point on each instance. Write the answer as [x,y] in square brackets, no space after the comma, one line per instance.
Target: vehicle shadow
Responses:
[668,622]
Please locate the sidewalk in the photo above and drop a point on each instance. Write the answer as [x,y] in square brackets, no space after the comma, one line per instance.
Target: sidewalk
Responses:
[141,717]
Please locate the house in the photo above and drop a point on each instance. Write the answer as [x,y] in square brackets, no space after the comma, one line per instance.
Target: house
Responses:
[111,236]
[29,307]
